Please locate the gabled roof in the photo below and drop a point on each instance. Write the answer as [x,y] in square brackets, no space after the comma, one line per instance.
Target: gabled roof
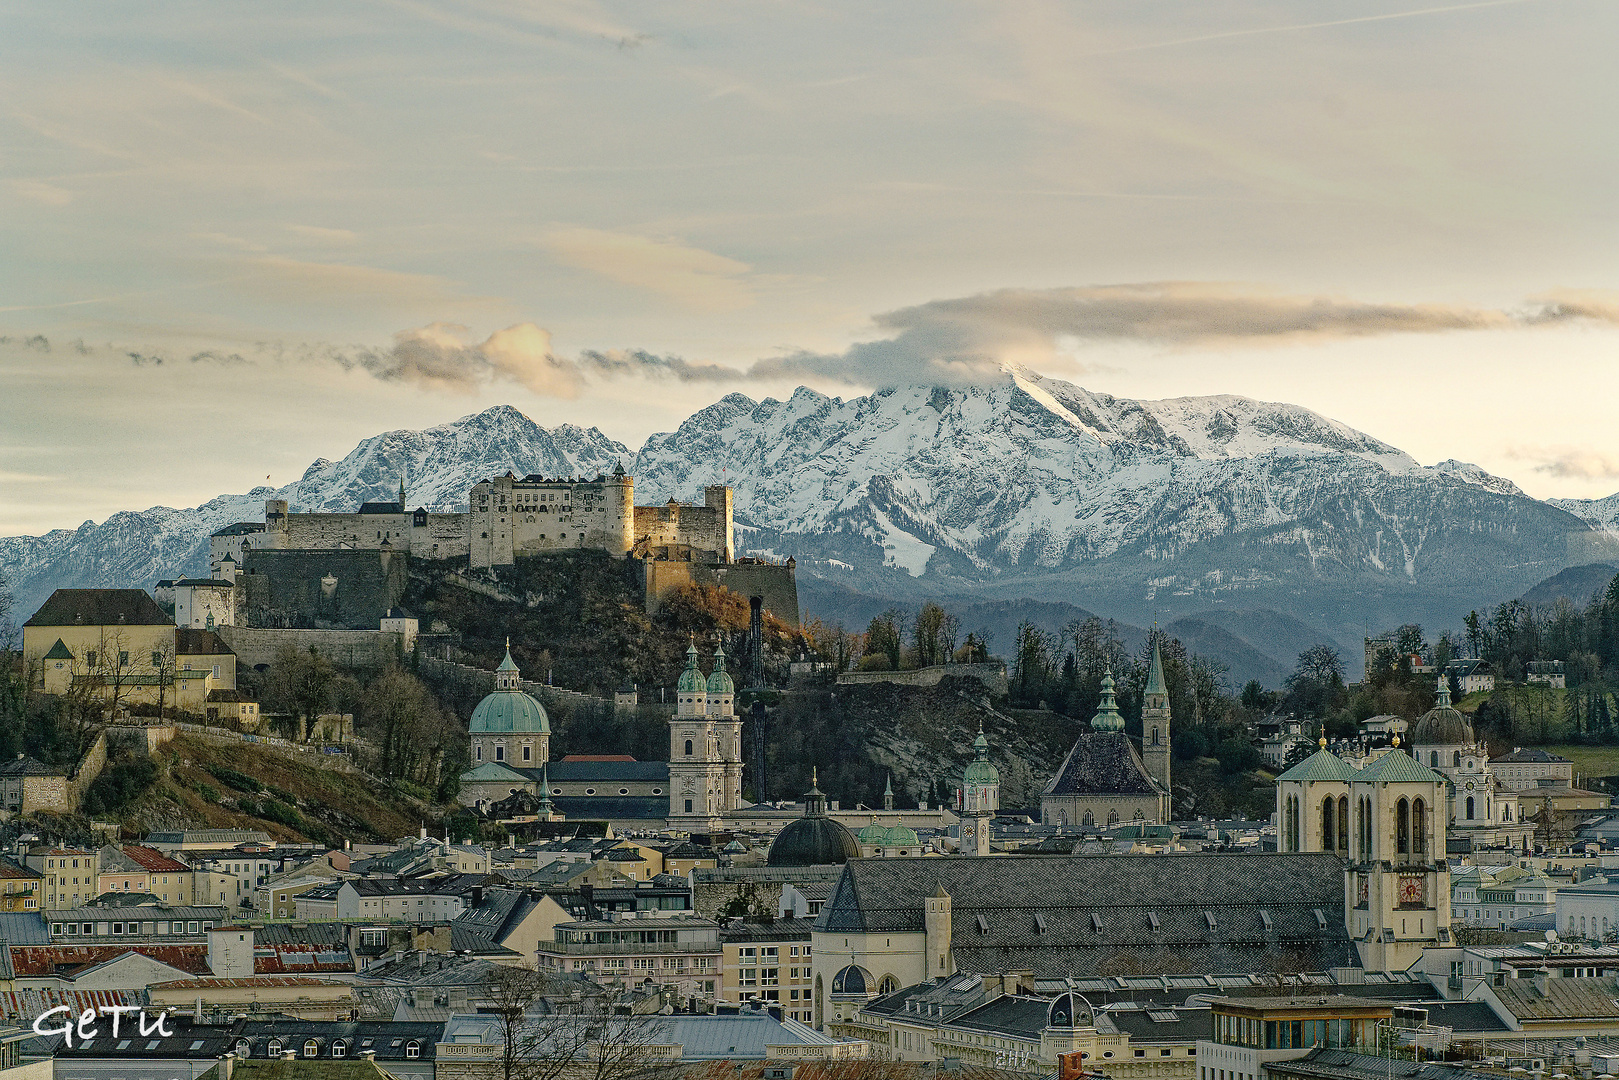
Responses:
[59,651]
[190,642]
[100,607]
[1182,912]
[1321,765]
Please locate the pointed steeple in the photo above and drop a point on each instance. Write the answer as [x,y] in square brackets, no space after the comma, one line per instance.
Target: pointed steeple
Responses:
[1107,716]
[545,789]
[1155,674]
[1444,692]
[888,792]
[691,679]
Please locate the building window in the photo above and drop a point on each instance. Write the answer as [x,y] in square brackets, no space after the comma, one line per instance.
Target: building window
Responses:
[500,752]
[339,1048]
[311,1048]
[413,1050]
[528,752]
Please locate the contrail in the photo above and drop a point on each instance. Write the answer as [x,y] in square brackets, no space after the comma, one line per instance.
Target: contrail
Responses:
[1307,26]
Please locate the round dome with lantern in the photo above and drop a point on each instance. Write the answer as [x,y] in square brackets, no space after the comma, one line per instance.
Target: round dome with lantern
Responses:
[507,709]
[814,839]
[691,680]
[719,681]
[980,780]
[1442,725]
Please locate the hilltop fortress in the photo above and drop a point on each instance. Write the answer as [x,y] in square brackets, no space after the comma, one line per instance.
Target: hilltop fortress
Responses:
[348,569]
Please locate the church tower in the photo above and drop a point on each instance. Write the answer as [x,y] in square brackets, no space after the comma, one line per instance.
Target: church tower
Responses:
[727,728]
[696,764]
[980,798]
[1155,721]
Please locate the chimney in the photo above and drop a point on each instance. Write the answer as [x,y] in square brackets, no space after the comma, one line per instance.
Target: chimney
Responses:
[1540,977]
[477,896]
[587,893]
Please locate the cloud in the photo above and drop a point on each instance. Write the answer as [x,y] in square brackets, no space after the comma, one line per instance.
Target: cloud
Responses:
[690,276]
[339,284]
[444,356]
[317,232]
[978,338]
[1569,463]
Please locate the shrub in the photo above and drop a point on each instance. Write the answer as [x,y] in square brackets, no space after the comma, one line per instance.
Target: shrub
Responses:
[234,779]
[119,785]
[208,791]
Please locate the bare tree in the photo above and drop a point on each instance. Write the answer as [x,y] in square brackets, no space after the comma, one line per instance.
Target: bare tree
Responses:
[550,1027]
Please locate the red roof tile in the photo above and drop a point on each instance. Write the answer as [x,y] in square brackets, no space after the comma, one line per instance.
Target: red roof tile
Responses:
[34,961]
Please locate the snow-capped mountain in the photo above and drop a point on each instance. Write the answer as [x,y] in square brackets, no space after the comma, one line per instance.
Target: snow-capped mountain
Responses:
[1033,487]
[438,465]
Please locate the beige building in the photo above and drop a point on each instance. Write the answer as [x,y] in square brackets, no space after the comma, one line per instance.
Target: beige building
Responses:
[137,869]
[27,786]
[121,645]
[71,876]
[682,953]
[770,962]
[20,887]
[705,747]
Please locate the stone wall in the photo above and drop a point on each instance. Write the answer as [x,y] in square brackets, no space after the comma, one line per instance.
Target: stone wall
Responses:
[776,582]
[482,681]
[346,648]
[321,589]
[85,772]
[992,675]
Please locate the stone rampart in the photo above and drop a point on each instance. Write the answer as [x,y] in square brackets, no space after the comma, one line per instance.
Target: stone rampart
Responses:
[346,648]
[331,589]
[482,681]
[993,676]
[86,771]
[776,582]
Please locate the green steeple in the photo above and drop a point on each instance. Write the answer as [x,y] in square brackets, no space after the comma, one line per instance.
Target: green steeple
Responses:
[691,680]
[507,664]
[719,681]
[1444,692]
[979,771]
[545,788]
[1107,716]
[1155,674]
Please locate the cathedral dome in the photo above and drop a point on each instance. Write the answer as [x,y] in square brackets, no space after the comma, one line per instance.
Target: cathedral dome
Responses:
[691,680]
[720,681]
[900,836]
[814,839]
[1442,725]
[509,711]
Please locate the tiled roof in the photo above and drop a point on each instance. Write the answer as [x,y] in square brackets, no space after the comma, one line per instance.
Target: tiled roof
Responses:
[604,772]
[1533,756]
[100,607]
[1563,999]
[1008,1014]
[12,869]
[189,642]
[1173,913]
[35,961]
[1102,763]
[153,860]
[615,807]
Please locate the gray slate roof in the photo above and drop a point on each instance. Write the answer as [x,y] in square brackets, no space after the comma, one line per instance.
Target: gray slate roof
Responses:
[1101,911]
[1102,763]
[100,607]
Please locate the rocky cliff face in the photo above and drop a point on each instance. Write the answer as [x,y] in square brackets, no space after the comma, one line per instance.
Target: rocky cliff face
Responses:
[1031,488]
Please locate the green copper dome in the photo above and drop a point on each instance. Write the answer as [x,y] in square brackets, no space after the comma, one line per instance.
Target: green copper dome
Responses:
[900,836]
[509,711]
[1107,716]
[720,681]
[980,772]
[873,834]
[691,680]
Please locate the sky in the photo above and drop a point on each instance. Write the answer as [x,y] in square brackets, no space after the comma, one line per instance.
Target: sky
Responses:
[235,236]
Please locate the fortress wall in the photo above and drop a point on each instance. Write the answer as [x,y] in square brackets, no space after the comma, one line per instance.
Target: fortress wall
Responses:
[443,537]
[314,531]
[777,584]
[347,648]
[993,676]
[321,588]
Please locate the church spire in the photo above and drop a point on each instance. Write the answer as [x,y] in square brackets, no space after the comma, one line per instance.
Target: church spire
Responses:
[1155,674]
[888,792]
[401,493]
[545,807]
[1107,716]
[1444,692]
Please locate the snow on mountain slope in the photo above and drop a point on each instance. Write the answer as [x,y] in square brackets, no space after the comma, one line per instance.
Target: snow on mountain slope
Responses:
[1041,474]
[438,465]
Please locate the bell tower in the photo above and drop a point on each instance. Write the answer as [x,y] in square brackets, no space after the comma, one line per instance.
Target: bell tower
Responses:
[1155,721]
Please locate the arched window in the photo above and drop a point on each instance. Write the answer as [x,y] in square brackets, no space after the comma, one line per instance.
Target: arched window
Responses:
[1470,808]
[1090,819]
[888,985]
[1456,759]
[311,1048]
[1419,827]
[1112,818]
[413,1050]
[1489,814]
[340,1048]
[1506,811]
[1343,824]
[1329,825]
[1402,827]
[1155,735]
[244,1048]
[688,748]
[1433,758]
[275,1044]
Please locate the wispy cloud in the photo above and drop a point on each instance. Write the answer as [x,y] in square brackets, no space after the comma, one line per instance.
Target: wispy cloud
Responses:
[690,276]
[1568,462]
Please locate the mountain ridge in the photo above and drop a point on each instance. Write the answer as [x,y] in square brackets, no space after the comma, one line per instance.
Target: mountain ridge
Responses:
[1032,487]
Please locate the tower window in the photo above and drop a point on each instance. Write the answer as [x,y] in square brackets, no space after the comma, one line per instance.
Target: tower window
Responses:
[528,752]
[500,752]
[688,748]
